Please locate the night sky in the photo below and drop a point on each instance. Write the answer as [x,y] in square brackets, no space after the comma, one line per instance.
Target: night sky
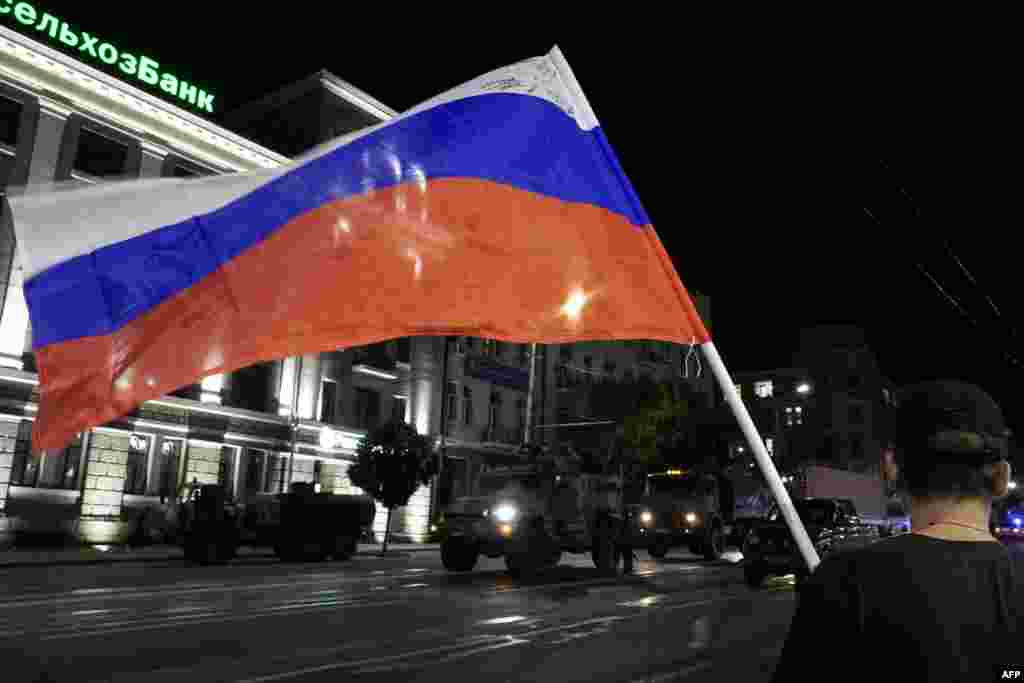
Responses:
[756,154]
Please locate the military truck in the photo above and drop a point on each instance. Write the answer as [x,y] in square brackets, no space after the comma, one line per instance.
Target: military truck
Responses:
[301,524]
[531,514]
[696,509]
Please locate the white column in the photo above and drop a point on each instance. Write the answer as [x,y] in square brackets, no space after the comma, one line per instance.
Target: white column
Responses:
[15,331]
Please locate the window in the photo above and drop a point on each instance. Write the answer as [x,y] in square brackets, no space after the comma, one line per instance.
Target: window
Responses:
[50,470]
[609,370]
[99,156]
[398,406]
[739,391]
[135,466]
[769,445]
[177,167]
[255,471]
[367,408]
[467,406]
[249,388]
[494,413]
[10,121]
[226,473]
[524,354]
[763,389]
[328,401]
[169,474]
[451,407]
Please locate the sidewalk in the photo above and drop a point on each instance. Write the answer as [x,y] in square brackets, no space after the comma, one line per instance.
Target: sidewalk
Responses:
[28,557]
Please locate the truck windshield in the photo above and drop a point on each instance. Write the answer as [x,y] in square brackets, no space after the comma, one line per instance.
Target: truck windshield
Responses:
[670,484]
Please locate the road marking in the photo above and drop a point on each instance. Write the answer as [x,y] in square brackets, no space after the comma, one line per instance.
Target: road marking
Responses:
[675,675]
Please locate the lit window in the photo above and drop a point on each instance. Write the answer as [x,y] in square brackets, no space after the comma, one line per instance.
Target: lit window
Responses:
[763,389]
[799,409]
[739,390]
[769,445]
[789,409]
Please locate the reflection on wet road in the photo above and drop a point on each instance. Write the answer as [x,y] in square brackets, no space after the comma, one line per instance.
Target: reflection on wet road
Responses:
[401,618]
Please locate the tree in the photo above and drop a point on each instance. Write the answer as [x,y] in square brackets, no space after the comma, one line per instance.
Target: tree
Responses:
[655,423]
[392,462]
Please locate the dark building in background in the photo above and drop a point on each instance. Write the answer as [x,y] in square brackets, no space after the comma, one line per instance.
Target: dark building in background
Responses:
[828,408]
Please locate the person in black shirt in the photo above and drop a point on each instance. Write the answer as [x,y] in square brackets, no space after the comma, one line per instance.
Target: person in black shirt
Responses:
[943,603]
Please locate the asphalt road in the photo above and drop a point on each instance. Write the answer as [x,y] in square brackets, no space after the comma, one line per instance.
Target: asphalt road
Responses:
[389,619]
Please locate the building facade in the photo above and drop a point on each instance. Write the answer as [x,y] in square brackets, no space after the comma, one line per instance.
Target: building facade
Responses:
[63,121]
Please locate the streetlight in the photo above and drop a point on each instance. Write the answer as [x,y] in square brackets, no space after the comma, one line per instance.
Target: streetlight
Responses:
[1013,484]
[803,388]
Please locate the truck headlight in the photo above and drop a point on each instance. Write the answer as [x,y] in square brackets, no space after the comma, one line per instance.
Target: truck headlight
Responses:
[646,518]
[505,513]
[691,518]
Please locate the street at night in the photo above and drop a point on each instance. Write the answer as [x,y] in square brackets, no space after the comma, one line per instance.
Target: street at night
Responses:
[389,618]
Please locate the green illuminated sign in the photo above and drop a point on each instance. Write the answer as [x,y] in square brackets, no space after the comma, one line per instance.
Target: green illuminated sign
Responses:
[145,69]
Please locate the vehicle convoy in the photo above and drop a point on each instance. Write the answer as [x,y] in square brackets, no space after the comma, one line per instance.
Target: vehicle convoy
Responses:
[695,509]
[301,524]
[867,491]
[530,514]
[832,524]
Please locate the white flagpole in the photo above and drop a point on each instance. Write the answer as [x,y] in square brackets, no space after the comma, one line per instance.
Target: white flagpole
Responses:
[771,475]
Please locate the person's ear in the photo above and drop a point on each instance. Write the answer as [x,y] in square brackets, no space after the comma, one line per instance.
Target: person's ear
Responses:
[1001,472]
[890,470]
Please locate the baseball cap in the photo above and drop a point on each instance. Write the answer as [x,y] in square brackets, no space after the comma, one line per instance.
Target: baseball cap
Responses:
[951,421]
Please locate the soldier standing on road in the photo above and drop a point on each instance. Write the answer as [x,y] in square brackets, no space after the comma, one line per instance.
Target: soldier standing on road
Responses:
[945,602]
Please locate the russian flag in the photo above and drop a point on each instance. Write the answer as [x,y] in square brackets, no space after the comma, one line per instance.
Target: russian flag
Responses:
[495,210]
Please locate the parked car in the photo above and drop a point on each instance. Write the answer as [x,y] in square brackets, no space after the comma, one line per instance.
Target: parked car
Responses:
[832,523]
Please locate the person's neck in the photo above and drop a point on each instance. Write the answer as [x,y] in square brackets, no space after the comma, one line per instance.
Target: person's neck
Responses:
[965,520]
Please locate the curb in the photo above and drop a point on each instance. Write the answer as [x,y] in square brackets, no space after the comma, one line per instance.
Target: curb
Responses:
[168,557]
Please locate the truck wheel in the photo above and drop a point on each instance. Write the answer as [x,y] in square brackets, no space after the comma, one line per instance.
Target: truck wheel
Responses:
[520,564]
[606,554]
[659,550]
[344,547]
[459,555]
[714,544]
[753,576]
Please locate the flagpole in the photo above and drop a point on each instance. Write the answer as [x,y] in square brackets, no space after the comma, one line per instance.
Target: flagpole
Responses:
[771,475]
[295,422]
[529,395]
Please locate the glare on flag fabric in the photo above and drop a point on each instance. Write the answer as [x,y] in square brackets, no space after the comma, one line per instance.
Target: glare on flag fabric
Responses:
[495,210]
